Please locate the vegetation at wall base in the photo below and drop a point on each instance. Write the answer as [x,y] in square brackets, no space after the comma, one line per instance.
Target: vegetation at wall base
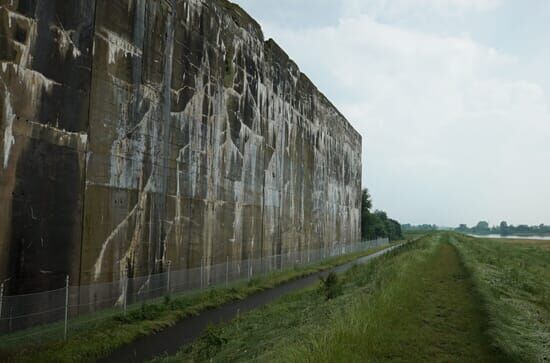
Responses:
[100,337]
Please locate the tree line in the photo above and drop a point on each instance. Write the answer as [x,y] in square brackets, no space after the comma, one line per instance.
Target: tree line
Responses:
[375,224]
[505,229]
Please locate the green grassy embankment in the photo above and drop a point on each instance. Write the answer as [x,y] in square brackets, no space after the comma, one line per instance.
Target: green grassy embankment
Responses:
[98,338]
[414,304]
[513,280]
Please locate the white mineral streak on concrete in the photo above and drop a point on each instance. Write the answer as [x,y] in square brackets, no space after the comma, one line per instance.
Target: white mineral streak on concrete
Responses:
[8,117]
[179,214]
[99,262]
[126,171]
[137,209]
[25,49]
[62,137]
[117,44]
[141,212]
[33,81]
[65,41]
[127,150]
[12,15]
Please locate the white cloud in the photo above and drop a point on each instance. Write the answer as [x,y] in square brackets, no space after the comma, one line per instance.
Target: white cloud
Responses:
[448,137]
[392,8]
[449,5]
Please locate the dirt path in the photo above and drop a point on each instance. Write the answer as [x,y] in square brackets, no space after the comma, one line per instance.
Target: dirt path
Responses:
[434,316]
[170,340]
[425,309]
[452,316]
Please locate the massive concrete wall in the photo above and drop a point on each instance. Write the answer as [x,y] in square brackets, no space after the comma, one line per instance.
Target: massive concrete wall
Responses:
[136,132]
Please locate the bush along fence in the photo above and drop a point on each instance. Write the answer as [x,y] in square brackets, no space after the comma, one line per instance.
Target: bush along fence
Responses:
[51,315]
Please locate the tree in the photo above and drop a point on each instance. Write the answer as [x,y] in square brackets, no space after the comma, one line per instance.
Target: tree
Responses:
[504,228]
[366,200]
[482,225]
[366,205]
[377,224]
[482,228]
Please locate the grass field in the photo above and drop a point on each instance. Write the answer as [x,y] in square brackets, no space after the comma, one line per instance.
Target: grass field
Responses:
[542,244]
[98,338]
[445,298]
[513,279]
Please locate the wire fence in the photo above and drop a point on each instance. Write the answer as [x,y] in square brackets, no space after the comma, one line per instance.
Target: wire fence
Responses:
[54,314]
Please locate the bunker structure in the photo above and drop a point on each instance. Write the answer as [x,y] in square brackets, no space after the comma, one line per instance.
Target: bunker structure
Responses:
[137,132]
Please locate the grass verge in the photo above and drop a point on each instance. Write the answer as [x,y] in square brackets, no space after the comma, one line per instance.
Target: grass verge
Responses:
[101,337]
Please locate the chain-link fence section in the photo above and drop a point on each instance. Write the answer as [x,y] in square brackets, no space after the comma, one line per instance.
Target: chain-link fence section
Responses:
[52,315]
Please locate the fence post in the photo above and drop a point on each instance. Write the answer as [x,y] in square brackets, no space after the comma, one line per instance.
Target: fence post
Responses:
[226,271]
[202,268]
[168,278]
[207,271]
[66,308]
[1,298]
[249,269]
[125,298]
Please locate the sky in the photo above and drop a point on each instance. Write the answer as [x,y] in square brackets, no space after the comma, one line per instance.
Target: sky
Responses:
[451,97]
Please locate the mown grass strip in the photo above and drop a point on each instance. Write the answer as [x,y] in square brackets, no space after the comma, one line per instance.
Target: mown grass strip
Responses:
[100,338]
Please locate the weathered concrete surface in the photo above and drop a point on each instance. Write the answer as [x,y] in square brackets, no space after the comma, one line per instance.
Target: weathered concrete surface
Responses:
[45,73]
[139,132]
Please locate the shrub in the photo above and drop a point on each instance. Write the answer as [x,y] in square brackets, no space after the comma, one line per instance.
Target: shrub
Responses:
[330,286]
